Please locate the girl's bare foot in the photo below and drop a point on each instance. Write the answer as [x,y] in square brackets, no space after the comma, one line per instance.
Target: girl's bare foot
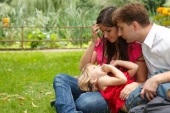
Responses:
[168,93]
[123,108]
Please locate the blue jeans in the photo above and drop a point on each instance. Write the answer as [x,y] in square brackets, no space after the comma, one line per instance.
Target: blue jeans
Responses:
[70,99]
[135,99]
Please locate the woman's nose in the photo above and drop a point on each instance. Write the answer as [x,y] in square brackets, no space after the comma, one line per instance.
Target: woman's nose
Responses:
[105,35]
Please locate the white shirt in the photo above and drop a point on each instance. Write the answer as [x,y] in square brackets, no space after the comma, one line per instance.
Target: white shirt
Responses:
[156,49]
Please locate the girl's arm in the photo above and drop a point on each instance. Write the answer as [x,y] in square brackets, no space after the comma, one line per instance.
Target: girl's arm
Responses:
[105,81]
[132,67]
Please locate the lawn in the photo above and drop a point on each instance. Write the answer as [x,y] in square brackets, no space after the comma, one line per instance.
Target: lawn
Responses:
[26,79]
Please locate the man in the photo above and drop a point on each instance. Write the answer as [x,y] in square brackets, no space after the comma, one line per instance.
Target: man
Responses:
[134,25]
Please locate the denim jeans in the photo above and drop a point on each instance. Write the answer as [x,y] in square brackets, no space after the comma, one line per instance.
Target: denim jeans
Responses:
[135,99]
[70,99]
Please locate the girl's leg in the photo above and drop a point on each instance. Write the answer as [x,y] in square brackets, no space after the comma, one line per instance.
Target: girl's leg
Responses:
[67,91]
[163,88]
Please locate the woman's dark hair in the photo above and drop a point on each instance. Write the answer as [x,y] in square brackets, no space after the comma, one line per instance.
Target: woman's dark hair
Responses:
[110,48]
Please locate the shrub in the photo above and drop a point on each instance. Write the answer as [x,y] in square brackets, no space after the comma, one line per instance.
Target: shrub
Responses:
[163,16]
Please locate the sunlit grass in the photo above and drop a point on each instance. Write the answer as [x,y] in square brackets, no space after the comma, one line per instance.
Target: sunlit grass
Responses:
[26,79]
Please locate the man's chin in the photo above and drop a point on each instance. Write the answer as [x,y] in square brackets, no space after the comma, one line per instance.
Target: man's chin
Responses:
[129,41]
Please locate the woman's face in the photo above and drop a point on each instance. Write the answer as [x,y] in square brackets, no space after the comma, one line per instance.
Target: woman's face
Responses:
[110,33]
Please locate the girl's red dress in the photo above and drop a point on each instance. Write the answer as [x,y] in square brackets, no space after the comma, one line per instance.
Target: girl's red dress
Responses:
[112,95]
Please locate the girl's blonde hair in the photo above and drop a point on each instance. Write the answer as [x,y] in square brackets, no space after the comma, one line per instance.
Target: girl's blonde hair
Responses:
[84,80]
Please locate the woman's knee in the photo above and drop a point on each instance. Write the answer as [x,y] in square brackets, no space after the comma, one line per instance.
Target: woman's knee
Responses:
[64,79]
[60,76]
[91,102]
[59,79]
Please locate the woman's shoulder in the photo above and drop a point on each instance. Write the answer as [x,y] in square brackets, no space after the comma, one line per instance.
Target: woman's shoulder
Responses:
[99,45]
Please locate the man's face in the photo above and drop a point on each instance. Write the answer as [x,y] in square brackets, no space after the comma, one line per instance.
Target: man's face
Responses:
[126,31]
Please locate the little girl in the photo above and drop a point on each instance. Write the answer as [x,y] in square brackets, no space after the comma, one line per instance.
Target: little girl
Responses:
[95,78]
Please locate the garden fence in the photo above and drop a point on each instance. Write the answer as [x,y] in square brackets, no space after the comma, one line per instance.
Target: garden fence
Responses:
[21,37]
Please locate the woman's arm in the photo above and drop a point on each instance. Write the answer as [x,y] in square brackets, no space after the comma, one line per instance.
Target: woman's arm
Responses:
[141,77]
[142,73]
[89,55]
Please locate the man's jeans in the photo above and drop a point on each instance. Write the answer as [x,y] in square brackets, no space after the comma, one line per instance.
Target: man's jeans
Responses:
[70,99]
[135,99]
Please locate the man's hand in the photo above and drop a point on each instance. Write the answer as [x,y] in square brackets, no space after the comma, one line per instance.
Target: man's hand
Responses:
[149,88]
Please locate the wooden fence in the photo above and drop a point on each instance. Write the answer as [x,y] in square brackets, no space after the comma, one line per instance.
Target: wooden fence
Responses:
[24,40]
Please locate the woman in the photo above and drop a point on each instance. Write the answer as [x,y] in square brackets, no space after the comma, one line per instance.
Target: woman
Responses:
[69,97]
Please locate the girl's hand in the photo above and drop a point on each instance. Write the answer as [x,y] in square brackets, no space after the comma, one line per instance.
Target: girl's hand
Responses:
[127,90]
[95,31]
[106,68]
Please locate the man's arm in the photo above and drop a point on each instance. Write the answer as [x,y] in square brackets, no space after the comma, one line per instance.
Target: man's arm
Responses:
[151,85]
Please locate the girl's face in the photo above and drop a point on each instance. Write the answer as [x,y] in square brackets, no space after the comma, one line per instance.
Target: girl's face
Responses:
[110,33]
[96,71]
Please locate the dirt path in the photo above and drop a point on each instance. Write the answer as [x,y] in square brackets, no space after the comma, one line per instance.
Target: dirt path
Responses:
[45,50]
[61,50]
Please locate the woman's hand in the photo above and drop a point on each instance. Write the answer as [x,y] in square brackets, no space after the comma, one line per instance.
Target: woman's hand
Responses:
[114,62]
[95,31]
[128,89]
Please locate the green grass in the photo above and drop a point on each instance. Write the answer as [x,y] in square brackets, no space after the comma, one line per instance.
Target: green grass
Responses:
[26,79]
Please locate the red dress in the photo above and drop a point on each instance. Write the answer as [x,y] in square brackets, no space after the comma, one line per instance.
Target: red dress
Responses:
[111,95]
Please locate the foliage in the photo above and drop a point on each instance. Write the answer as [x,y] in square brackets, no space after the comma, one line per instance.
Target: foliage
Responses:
[151,5]
[42,13]
[27,77]
[36,35]
[163,16]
